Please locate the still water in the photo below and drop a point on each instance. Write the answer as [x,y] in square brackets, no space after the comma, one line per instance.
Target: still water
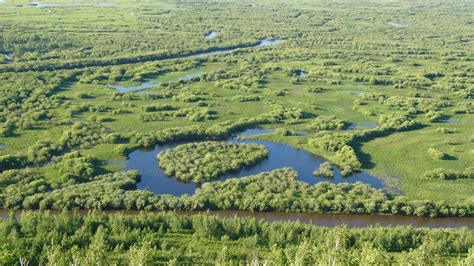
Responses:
[154,83]
[280,155]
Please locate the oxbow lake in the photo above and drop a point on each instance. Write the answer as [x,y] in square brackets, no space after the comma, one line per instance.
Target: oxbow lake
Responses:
[280,155]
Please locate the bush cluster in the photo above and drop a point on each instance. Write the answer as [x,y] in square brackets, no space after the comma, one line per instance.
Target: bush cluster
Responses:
[328,123]
[203,161]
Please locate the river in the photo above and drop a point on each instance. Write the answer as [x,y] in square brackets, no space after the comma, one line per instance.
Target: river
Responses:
[327,220]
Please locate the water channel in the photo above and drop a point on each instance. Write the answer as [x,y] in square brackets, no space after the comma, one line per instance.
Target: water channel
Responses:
[280,155]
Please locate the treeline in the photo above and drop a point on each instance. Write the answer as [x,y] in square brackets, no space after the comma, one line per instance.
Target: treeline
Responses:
[279,190]
[207,160]
[344,155]
[26,100]
[133,59]
[167,238]
[410,105]
[449,174]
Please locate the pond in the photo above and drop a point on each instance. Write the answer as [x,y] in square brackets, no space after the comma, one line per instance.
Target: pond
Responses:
[190,76]
[355,92]
[327,220]
[226,51]
[210,35]
[142,87]
[450,120]
[363,125]
[269,42]
[301,73]
[280,155]
[398,25]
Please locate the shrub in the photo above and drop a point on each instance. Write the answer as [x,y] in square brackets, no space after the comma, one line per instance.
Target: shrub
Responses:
[207,160]
[437,154]
[449,174]
[324,170]
[328,123]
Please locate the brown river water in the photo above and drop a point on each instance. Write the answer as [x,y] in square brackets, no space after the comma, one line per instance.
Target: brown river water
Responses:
[327,220]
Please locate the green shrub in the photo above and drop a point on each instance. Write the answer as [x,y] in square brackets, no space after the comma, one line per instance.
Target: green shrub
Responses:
[324,170]
[202,161]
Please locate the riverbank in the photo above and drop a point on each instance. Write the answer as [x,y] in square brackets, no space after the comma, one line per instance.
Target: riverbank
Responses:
[325,220]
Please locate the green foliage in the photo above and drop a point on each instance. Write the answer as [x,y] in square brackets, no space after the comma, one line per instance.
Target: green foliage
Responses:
[316,89]
[80,135]
[396,122]
[247,98]
[202,161]
[188,97]
[370,60]
[448,174]
[327,123]
[280,190]
[286,132]
[100,239]
[437,154]
[274,92]
[324,170]
[75,167]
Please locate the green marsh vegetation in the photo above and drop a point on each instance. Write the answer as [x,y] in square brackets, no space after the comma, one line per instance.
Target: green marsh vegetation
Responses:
[207,160]
[167,238]
[413,83]
[385,87]
[412,92]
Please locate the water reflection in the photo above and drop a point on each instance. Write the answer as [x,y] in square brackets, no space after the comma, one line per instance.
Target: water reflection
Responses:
[142,86]
[151,83]
[280,155]
[327,220]
[210,35]
[364,125]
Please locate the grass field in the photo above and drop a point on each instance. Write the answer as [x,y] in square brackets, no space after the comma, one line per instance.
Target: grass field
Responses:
[420,68]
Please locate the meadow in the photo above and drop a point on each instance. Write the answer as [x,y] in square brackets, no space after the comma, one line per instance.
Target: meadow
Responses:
[383,88]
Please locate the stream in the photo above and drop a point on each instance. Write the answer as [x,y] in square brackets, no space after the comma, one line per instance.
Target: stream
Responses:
[326,220]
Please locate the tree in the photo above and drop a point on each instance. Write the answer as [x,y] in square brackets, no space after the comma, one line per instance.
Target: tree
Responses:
[140,254]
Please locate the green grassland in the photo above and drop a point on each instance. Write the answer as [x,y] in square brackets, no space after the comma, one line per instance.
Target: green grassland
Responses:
[351,52]
[384,87]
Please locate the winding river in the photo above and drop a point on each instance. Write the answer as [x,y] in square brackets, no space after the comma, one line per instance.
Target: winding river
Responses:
[154,83]
[280,155]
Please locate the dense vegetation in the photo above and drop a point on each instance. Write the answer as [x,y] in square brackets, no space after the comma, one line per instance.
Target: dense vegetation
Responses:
[202,161]
[335,70]
[385,87]
[100,239]
[279,190]
[324,170]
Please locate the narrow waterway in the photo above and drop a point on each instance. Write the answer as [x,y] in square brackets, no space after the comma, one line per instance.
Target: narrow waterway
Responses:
[154,83]
[326,220]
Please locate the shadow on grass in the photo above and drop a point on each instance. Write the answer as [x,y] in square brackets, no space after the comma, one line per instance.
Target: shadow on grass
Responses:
[448,157]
